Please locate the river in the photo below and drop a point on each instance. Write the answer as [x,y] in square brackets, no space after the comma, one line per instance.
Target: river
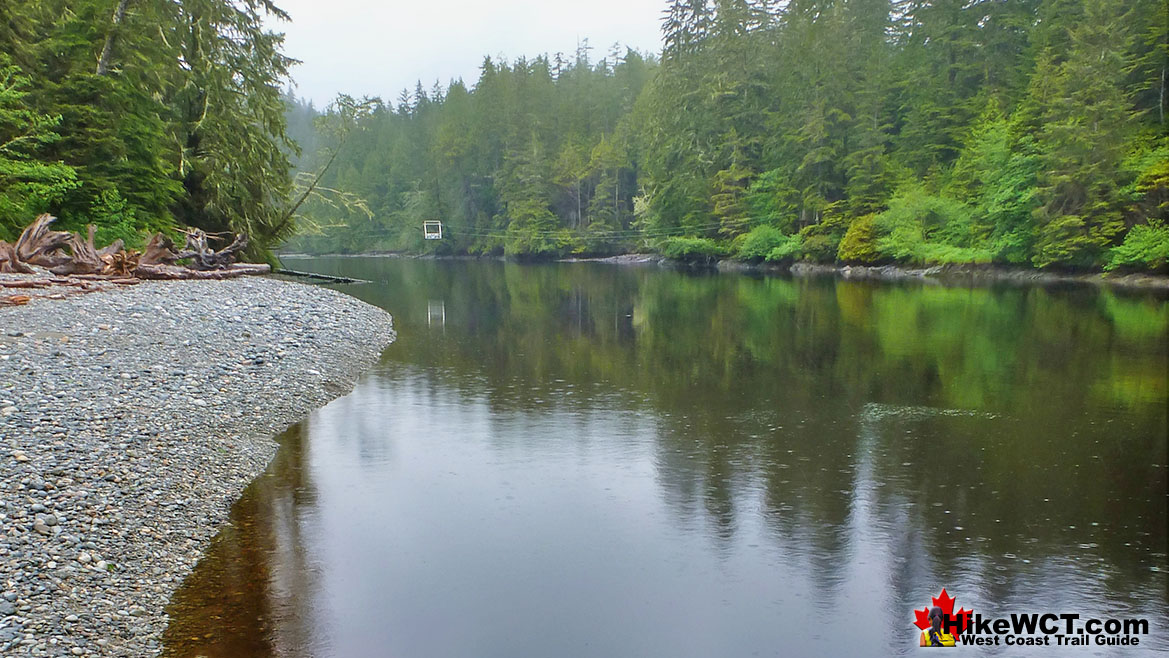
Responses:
[595,460]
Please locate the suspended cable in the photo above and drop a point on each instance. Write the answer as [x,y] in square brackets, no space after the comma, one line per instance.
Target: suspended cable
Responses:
[619,234]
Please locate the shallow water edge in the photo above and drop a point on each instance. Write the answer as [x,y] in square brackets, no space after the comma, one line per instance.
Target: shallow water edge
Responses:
[949,275]
[133,420]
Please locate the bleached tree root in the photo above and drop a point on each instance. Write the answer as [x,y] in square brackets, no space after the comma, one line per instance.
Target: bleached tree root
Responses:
[67,254]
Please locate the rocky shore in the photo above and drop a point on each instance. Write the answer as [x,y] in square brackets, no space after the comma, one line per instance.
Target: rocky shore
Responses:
[130,420]
[957,275]
[946,275]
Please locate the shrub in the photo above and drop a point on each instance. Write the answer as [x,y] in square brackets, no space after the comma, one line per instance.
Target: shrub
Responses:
[115,220]
[788,250]
[1146,247]
[530,233]
[758,243]
[1070,240]
[820,242]
[859,244]
[1012,247]
[919,226]
[694,249]
[944,254]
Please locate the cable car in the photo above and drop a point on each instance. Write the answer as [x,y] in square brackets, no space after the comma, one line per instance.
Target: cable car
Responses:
[432,229]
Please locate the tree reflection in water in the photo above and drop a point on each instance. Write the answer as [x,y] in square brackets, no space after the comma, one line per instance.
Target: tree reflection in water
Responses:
[691,458]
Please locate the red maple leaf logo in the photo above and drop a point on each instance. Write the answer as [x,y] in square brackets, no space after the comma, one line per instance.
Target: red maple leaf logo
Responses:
[946,603]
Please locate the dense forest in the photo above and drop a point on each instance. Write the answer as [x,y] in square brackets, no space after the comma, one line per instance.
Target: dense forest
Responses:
[861,131]
[144,115]
[1030,132]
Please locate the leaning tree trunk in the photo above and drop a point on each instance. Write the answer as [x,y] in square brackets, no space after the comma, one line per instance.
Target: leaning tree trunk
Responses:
[107,51]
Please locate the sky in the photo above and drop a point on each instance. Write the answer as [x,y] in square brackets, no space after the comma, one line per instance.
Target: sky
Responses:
[377,48]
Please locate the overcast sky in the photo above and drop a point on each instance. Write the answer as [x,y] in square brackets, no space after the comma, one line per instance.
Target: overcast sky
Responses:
[377,47]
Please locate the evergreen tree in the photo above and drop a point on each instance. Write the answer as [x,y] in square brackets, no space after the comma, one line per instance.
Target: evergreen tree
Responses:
[30,184]
[1029,131]
[1085,119]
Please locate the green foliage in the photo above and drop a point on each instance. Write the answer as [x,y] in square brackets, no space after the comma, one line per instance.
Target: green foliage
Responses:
[996,175]
[1149,161]
[756,244]
[135,118]
[944,254]
[786,251]
[1030,131]
[727,201]
[1024,132]
[771,198]
[234,163]
[533,160]
[920,227]
[1074,240]
[695,250]
[531,229]
[116,220]
[821,241]
[29,185]
[1085,118]
[859,244]
[1145,247]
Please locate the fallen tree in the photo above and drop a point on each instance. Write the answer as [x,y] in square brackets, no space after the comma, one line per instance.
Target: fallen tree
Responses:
[67,254]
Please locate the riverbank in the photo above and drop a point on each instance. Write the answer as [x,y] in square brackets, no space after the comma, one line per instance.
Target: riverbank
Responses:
[972,275]
[977,275]
[130,421]
[957,275]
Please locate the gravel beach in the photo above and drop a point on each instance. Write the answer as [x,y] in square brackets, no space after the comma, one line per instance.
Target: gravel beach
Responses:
[130,421]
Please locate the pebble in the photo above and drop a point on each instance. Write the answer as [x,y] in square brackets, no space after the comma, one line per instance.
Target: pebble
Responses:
[133,418]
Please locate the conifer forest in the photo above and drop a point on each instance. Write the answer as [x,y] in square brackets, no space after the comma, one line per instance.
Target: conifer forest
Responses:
[1013,132]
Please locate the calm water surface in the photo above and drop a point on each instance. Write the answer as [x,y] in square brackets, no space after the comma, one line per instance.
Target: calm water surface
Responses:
[589,460]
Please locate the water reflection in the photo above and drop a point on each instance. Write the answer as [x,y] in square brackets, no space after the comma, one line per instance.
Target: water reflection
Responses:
[592,460]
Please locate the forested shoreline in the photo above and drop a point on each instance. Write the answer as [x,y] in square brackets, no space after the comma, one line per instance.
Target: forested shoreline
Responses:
[1023,133]
[139,116]
[1026,133]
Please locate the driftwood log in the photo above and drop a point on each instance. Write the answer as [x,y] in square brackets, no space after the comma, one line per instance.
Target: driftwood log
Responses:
[160,249]
[38,245]
[203,257]
[176,272]
[68,254]
[85,259]
[9,262]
